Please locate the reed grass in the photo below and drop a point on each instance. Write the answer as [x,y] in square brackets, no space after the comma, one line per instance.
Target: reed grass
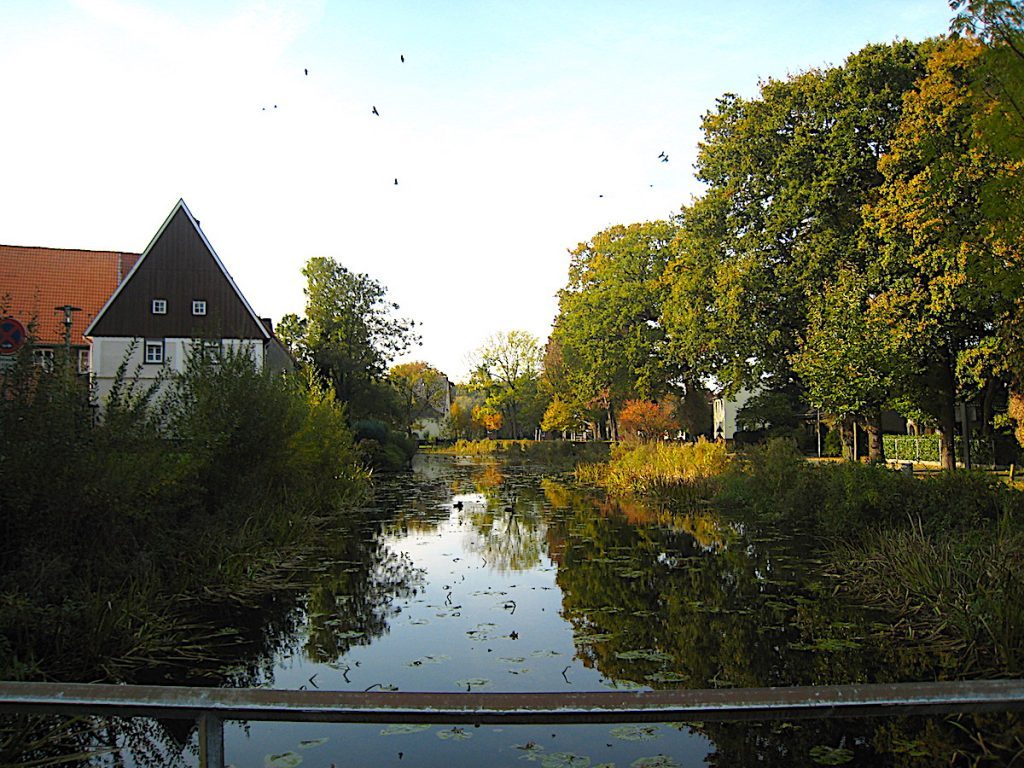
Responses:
[957,594]
[655,467]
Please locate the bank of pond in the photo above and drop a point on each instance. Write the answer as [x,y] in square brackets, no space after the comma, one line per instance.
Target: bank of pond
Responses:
[556,567]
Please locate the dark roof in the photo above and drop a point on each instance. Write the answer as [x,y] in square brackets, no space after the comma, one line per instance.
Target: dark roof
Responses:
[179,266]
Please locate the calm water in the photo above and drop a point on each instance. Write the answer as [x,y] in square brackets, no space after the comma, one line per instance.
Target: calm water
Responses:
[479,575]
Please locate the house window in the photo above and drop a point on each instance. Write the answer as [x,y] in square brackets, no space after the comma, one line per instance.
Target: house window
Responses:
[210,349]
[159,306]
[198,307]
[154,352]
[83,361]
[43,358]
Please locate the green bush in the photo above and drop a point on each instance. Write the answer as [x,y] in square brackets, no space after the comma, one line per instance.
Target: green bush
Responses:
[189,487]
[381,447]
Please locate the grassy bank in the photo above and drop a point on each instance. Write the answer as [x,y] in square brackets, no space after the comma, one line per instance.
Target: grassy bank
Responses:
[659,467]
[115,530]
[544,451]
[941,554]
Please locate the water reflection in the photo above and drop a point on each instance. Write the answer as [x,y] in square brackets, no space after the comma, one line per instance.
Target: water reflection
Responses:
[471,575]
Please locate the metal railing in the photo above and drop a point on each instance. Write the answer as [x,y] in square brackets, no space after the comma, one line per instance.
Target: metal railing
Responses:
[210,707]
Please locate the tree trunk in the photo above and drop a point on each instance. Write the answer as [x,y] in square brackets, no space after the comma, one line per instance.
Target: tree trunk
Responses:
[876,447]
[613,424]
[947,418]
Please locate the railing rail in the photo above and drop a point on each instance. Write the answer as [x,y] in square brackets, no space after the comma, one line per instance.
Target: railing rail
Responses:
[210,707]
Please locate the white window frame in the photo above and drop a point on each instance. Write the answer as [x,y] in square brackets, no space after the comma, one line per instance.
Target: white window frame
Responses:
[211,349]
[159,306]
[43,358]
[84,356]
[198,307]
[154,353]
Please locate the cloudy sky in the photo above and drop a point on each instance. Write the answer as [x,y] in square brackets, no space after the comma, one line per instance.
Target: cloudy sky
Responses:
[515,129]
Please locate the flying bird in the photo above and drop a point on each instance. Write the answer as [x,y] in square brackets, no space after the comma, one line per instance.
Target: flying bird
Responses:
[396,182]
[376,112]
[664,158]
[306,71]
[402,55]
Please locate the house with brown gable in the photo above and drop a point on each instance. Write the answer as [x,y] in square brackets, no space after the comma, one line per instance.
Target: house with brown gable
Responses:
[53,294]
[178,299]
[149,310]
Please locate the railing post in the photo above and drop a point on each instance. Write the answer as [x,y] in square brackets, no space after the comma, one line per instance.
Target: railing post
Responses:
[211,741]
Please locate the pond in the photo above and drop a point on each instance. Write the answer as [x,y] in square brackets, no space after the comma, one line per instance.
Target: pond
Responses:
[488,575]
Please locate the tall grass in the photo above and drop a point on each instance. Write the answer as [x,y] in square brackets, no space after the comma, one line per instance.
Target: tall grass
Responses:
[112,530]
[545,451]
[960,594]
[655,467]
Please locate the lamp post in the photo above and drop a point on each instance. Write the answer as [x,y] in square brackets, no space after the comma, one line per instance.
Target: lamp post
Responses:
[68,311]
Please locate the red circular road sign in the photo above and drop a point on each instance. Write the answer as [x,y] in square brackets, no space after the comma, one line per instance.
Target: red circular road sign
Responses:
[12,335]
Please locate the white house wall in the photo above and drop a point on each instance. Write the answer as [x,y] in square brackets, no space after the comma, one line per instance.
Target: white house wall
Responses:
[108,353]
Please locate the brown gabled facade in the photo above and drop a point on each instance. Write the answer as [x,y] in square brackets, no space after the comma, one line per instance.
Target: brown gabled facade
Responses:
[195,294]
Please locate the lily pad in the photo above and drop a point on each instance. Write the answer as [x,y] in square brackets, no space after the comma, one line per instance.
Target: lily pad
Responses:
[473,682]
[657,761]
[398,729]
[595,637]
[647,654]
[283,760]
[545,654]
[310,743]
[564,760]
[455,734]
[635,732]
[824,755]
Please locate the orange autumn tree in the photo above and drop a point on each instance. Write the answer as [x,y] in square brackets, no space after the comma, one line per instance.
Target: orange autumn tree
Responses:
[488,418]
[643,420]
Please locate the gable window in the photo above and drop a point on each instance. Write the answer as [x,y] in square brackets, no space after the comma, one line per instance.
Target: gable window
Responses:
[159,306]
[198,307]
[154,352]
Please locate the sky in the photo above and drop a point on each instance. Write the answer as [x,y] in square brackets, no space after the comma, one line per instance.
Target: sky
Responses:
[516,130]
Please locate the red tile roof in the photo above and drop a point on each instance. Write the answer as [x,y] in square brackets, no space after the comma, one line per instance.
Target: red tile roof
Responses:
[35,280]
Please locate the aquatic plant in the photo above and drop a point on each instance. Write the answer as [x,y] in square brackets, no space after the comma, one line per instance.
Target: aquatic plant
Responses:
[659,466]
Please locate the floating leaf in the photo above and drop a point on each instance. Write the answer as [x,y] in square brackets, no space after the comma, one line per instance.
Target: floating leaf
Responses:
[283,760]
[419,622]
[667,677]
[824,755]
[512,659]
[397,729]
[310,743]
[564,760]
[658,761]
[647,654]
[596,637]
[455,734]
[635,732]
[473,682]
[545,654]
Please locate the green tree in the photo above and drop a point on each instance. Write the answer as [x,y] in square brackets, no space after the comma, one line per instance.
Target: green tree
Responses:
[608,329]
[421,393]
[788,176]
[848,359]
[947,287]
[349,334]
[507,372]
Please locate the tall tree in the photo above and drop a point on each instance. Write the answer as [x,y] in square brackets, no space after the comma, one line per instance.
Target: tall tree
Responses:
[507,371]
[349,334]
[944,261]
[421,393]
[608,329]
[788,175]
